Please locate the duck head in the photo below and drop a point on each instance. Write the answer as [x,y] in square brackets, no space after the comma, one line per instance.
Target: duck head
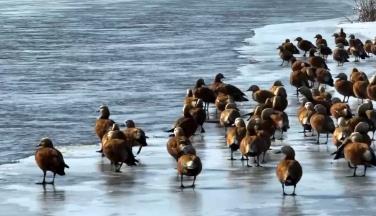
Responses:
[199,83]
[253,88]
[298,39]
[46,142]
[219,77]
[104,112]
[130,124]
[342,76]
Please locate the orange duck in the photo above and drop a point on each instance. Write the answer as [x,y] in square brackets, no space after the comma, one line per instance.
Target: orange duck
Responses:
[103,123]
[116,148]
[316,61]
[344,86]
[341,132]
[304,116]
[284,54]
[304,45]
[189,99]
[340,109]
[321,122]
[368,46]
[229,115]
[299,78]
[50,159]
[371,88]
[356,153]
[360,89]
[254,146]
[289,171]
[135,136]
[297,64]
[235,135]
[323,76]
[219,87]
[189,165]
[306,92]
[222,100]
[287,45]
[356,48]
[259,95]
[357,75]
[175,144]
[340,40]
[186,122]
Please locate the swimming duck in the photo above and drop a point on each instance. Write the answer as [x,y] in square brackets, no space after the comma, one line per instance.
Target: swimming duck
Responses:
[344,86]
[304,45]
[135,136]
[259,95]
[48,158]
[235,135]
[340,55]
[116,148]
[289,171]
[321,122]
[189,165]
[103,123]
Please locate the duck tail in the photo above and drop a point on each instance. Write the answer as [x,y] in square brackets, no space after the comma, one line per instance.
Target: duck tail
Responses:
[66,165]
[339,153]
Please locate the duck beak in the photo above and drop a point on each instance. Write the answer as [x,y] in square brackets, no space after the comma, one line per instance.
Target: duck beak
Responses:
[278,152]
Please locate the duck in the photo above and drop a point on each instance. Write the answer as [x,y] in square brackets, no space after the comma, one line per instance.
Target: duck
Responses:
[259,95]
[344,86]
[279,101]
[304,45]
[229,115]
[175,144]
[289,171]
[186,122]
[340,40]
[306,92]
[356,153]
[342,33]
[272,120]
[341,132]
[189,99]
[368,46]
[323,93]
[103,123]
[357,75]
[304,115]
[205,93]
[321,122]
[297,65]
[371,88]
[220,87]
[189,165]
[360,89]
[356,48]
[135,136]
[48,158]
[284,54]
[320,40]
[287,45]
[116,149]
[222,100]
[316,61]
[254,146]
[361,131]
[198,114]
[323,76]
[298,79]
[340,55]
[235,135]
[341,109]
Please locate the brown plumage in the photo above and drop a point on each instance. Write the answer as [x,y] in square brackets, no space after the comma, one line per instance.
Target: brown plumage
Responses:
[304,116]
[135,136]
[103,123]
[189,165]
[287,45]
[289,171]
[356,48]
[297,64]
[357,75]
[177,143]
[356,153]
[340,40]
[222,100]
[371,88]
[205,93]
[259,95]
[220,87]
[284,54]
[321,122]
[341,132]
[117,148]
[189,99]
[323,76]
[49,159]
[304,45]
[306,92]
[316,61]
[298,79]
[340,55]
[229,115]
[320,40]
[360,89]
[368,46]
[338,110]
[344,86]
[186,122]
[235,135]
[254,146]
[198,114]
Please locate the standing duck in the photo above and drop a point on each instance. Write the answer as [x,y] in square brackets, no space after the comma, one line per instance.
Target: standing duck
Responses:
[254,146]
[356,48]
[50,159]
[205,93]
[284,54]
[371,88]
[340,55]
[198,114]
[259,95]
[321,122]
[340,40]
[135,136]
[103,123]
[304,45]
[175,145]
[304,116]
[289,171]
[316,61]
[344,86]
[287,45]
[189,165]
[116,148]
[235,135]
[186,122]
[220,87]
[229,115]
[341,132]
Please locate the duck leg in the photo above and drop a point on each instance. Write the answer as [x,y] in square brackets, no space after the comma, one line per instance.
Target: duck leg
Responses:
[354,174]
[44,178]
[263,157]
[53,180]
[318,138]
[365,170]
[258,161]
[283,190]
[293,193]
[351,167]
[194,180]
[327,138]
[118,166]
[232,155]
[248,162]
[181,181]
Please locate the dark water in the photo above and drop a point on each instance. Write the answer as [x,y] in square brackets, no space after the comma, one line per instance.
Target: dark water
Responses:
[60,60]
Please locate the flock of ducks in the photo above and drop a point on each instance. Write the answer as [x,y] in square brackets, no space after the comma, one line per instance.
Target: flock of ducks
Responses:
[319,113]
